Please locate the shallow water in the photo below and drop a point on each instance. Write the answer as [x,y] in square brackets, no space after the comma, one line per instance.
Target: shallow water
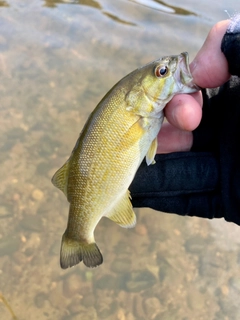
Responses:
[57,59]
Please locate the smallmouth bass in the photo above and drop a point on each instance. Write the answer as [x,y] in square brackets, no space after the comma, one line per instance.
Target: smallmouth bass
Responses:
[119,133]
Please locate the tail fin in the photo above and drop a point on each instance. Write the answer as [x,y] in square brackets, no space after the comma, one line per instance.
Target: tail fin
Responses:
[72,252]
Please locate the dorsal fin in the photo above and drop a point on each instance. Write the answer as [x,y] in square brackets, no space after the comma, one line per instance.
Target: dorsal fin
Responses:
[60,178]
[123,213]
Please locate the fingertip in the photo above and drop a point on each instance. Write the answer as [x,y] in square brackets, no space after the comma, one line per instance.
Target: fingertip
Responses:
[185,111]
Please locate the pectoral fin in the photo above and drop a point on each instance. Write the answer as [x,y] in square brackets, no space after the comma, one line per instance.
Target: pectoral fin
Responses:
[123,213]
[60,178]
[152,152]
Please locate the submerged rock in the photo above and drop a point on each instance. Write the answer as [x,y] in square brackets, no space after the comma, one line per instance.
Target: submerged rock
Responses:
[121,265]
[196,244]
[139,280]
[108,282]
[72,285]
[196,300]
[5,211]
[9,245]
[32,223]
[152,307]
[40,299]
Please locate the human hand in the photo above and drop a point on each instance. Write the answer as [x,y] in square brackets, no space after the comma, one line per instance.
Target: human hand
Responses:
[184,112]
[202,182]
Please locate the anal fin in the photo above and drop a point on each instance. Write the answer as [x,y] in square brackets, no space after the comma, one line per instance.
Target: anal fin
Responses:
[123,213]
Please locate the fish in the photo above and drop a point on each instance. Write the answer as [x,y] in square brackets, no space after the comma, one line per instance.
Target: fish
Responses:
[120,132]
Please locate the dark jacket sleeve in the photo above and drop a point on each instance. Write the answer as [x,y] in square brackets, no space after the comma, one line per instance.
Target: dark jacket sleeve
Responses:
[204,182]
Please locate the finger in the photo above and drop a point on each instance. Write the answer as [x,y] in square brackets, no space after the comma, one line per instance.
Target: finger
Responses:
[210,68]
[184,111]
[172,139]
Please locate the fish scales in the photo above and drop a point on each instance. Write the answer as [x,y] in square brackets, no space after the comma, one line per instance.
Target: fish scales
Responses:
[119,133]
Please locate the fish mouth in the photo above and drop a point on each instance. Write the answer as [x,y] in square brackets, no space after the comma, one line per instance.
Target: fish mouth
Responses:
[183,75]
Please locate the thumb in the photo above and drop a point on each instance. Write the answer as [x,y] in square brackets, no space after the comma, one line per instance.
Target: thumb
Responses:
[210,68]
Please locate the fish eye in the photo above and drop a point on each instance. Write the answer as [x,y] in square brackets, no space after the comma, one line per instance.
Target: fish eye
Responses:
[161,71]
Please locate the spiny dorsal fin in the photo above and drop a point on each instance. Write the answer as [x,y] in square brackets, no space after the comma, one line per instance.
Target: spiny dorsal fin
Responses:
[152,152]
[60,178]
[123,213]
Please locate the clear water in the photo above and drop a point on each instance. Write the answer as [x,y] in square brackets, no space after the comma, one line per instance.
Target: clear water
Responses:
[57,60]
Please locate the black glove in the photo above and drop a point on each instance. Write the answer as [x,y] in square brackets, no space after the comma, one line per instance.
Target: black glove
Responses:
[204,182]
